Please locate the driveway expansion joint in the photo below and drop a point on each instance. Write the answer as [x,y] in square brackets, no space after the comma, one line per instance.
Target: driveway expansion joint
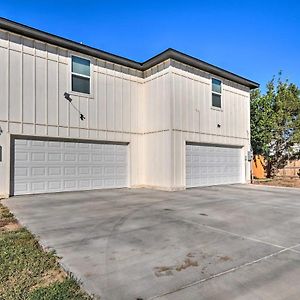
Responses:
[241,236]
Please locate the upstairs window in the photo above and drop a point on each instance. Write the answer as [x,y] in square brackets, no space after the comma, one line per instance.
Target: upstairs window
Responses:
[216,92]
[81,75]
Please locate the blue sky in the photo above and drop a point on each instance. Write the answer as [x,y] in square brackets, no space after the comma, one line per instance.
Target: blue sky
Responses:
[254,39]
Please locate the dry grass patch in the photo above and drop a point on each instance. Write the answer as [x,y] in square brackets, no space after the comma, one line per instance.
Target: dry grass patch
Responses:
[283,182]
[54,275]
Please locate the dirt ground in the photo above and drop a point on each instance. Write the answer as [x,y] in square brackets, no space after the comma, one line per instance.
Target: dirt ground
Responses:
[285,182]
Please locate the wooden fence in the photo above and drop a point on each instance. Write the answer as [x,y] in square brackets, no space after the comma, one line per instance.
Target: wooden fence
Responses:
[258,170]
[291,170]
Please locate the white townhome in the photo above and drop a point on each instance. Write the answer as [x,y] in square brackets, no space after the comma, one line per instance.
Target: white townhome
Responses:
[73,117]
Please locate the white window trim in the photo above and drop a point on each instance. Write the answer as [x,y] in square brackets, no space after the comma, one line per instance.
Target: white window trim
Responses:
[216,93]
[71,92]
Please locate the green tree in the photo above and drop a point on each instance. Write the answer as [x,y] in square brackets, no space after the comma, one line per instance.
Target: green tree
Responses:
[275,123]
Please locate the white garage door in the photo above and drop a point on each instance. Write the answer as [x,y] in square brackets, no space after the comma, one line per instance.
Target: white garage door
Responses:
[212,165]
[55,166]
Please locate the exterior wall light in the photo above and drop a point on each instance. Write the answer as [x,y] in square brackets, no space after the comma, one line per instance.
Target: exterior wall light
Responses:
[68,97]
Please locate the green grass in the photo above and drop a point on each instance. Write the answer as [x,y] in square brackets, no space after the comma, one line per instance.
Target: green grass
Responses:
[27,271]
[67,289]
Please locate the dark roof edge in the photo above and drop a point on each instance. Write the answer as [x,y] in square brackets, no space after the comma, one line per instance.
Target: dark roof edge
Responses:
[65,43]
[199,64]
[167,54]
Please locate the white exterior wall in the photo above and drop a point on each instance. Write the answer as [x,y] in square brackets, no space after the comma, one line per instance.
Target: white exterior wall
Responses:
[195,120]
[33,79]
[157,131]
[155,115]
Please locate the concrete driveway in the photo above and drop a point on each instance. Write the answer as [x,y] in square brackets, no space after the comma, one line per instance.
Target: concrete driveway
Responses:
[225,242]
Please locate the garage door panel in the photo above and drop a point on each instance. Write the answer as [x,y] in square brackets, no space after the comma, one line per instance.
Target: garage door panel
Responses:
[83,157]
[55,145]
[38,187]
[38,157]
[21,142]
[109,158]
[54,185]
[70,185]
[37,144]
[20,156]
[70,171]
[84,184]
[21,171]
[38,171]
[69,157]
[54,166]
[212,165]
[55,157]
[97,170]
[54,171]
[21,188]
[69,145]
[84,171]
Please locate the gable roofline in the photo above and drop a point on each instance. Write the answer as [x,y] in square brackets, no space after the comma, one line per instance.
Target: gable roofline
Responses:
[170,53]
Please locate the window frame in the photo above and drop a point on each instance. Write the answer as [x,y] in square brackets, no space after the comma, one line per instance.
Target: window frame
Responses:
[216,93]
[81,94]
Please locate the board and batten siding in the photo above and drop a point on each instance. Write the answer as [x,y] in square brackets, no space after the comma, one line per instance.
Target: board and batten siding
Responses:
[195,120]
[156,115]
[34,77]
[157,131]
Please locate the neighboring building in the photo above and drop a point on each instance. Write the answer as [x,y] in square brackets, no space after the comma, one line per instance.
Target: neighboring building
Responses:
[169,123]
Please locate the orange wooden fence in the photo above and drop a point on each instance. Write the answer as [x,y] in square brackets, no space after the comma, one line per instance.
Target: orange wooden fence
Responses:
[258,170]
[290,170]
